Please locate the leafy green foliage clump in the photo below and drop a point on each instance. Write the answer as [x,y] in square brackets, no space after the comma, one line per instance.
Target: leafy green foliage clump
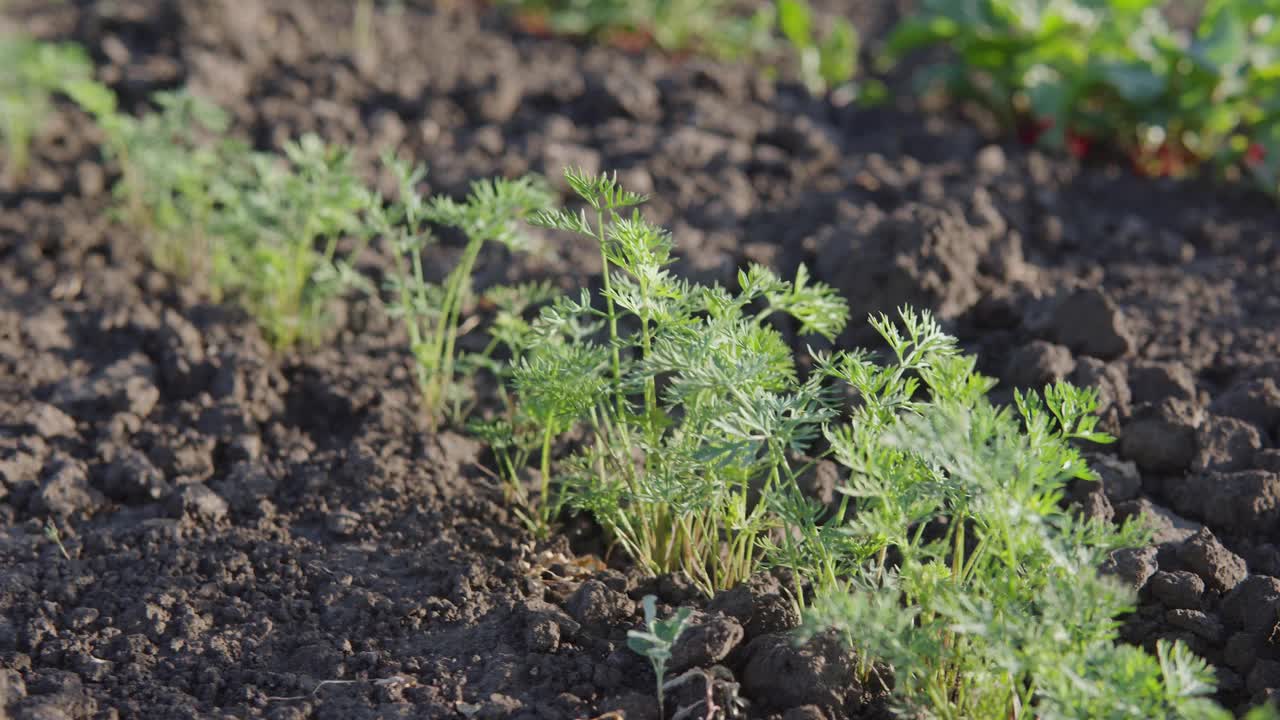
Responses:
[825,61]
[33,72]
[949,558]
[690,408]
[976,586]
[1069,73]
[169,161]
[278,231]
[256,227]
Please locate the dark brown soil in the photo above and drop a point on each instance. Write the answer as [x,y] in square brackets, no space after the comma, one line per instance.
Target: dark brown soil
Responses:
[256,535]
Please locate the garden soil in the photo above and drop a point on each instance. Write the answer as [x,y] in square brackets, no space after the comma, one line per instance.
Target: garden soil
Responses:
[250,534]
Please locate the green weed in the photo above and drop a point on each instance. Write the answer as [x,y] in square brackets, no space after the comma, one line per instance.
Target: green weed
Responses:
[55,536]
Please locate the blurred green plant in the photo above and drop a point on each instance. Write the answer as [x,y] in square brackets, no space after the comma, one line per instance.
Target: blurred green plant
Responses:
[1077,74]
[34,72]
[824,62]
[278,229]
[170,161]
[670,24]
[260,228]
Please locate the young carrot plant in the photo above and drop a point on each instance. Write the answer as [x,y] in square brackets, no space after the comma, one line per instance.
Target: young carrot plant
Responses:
[257,227]
[170,161]
[278,231]
[691,406]
[513,435]
[949,558]
[717,28]
[977,587]
[432,311]
[34,72]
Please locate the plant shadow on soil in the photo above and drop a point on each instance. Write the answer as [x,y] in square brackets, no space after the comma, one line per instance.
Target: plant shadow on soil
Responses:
[244,529]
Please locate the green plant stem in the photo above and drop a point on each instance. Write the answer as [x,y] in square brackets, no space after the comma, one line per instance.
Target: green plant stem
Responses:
[659,669]
[455,303]
[650,382]
[439,360]
[1026,693]
[415,330]
[957,558]
[612,314]
[545,496]
[972,561]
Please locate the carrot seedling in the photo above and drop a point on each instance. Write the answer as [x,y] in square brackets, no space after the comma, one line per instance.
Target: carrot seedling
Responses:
[432,311]
[688,395]
[34,72]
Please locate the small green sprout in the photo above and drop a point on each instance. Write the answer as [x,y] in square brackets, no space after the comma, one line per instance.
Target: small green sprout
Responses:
[34,72]
[657,639]
[51,532]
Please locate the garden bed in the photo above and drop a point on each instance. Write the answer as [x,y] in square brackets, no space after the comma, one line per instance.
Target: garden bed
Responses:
[245,532]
